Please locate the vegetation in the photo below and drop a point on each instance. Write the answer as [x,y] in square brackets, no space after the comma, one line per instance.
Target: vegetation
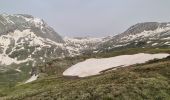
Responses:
[147,81]
[150,81]
[57,66]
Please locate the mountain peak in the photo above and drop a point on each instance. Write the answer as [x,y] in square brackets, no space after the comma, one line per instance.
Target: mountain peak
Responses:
[21,22]
[146,26]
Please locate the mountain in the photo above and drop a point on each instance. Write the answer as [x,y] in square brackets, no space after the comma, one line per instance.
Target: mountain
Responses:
[21,22]
[27,41]
[25,38]
[139,81]
[83,45]
[143,35]
[30,50]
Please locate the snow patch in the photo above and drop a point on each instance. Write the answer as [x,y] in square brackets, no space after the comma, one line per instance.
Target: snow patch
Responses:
[154,44]
[167,38]
[95,66]
[33,78]
[18,70]
[149,42]
[5,60]
[38,22]
[167,43]
[83,40]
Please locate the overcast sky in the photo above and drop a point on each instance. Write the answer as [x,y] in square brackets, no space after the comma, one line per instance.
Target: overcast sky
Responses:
[90,17]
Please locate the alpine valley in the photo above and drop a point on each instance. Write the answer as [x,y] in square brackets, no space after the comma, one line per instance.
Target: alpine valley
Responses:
[36,63]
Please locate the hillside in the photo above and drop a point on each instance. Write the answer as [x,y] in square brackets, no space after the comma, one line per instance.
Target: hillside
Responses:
[27,41]
[36,63]
[141,81]
[141,35]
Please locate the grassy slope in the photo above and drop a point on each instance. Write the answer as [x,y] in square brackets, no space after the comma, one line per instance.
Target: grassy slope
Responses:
[147,81]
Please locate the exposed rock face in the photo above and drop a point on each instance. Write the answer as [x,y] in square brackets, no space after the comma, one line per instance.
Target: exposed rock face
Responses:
[145,35]
[10,23]
[26,41]
[147,26]
[29,41]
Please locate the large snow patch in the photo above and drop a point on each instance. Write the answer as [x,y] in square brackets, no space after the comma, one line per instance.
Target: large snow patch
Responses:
[95,66]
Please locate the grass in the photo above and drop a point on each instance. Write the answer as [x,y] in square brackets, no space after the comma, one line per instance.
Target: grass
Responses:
[57,66]
[137,82]
[150,81]
[132,51]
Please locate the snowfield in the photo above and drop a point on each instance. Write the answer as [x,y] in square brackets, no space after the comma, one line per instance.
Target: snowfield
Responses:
[33,78]
[95,66]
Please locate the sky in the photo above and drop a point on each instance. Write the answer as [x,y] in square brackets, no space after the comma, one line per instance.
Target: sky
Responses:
[96,18]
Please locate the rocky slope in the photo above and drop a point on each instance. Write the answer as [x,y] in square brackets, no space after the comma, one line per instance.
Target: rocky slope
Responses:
[143,35]
[35,39]
[27,41]
[24,38]
[141,81]
[21,22]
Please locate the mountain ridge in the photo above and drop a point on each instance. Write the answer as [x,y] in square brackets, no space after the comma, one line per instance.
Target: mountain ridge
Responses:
[143,34]
[10,23]
[27,42]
